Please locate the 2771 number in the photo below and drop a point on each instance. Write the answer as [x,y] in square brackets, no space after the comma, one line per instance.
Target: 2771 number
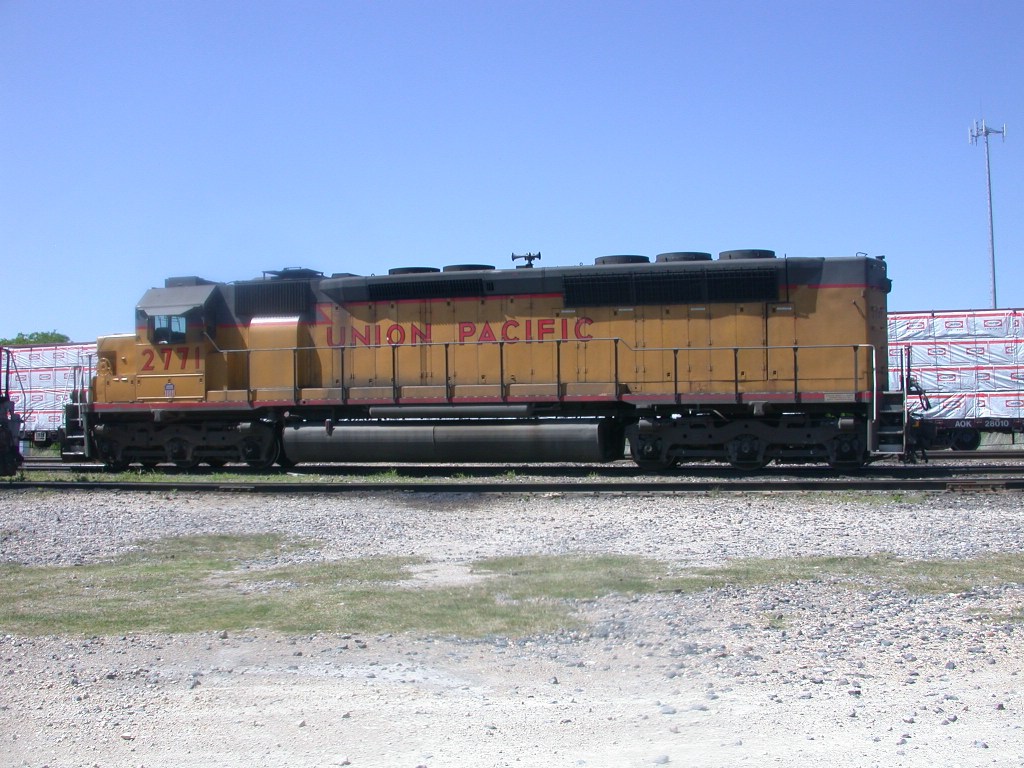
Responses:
[172,358]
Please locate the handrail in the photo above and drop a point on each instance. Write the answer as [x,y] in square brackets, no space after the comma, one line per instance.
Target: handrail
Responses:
[495,344]
[5,370]
[619,347]
[169,374]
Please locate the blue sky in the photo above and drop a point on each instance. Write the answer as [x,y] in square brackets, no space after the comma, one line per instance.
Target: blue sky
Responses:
[141,140]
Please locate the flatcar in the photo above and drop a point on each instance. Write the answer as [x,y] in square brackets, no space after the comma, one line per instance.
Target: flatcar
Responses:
[968,370]
[42,378]
[744,359]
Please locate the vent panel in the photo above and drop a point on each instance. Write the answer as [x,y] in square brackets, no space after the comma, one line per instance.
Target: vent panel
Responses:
[273,299]
[690,287]
[425,289]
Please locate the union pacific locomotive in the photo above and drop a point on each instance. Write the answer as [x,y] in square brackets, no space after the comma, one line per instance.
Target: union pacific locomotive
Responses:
[744,359]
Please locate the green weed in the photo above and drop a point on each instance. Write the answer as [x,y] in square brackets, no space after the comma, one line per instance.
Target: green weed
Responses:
[207,583]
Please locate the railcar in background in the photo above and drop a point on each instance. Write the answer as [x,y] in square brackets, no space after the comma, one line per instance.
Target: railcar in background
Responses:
[10,419]
[43,379]
[968,370]
[744,359]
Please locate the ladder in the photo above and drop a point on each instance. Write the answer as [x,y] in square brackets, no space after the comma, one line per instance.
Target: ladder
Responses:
[74,440]
[891,424]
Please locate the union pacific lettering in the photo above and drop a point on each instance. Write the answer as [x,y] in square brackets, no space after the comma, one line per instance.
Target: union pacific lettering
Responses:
[510,331]
[394,335]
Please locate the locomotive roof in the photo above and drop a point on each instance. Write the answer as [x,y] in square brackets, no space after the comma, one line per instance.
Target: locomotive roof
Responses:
[175,300]
[613,281]
[730,277]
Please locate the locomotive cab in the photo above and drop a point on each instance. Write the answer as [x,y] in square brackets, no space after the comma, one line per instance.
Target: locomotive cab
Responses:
[168,329]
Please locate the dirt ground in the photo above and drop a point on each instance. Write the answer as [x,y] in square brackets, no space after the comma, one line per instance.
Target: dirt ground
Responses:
[644,687]
[808,673]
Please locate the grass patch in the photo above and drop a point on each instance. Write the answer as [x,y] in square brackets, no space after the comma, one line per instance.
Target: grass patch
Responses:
[946,576]
[211,583]
[871,498]
[226,582]
[915,576]
[574,577]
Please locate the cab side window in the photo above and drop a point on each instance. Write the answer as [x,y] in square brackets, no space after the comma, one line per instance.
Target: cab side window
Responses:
[168,329]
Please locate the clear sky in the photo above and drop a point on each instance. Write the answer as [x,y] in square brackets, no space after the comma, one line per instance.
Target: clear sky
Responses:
[141,140]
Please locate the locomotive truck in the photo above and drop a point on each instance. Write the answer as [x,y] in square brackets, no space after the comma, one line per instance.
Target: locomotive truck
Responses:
[744,359]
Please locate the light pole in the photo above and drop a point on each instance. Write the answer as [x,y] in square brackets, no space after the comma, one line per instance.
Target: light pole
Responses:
[984,131]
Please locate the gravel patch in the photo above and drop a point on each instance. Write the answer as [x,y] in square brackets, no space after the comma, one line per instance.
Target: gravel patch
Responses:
[787,675]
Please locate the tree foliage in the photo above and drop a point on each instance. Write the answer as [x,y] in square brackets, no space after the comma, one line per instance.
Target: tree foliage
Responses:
[37,337]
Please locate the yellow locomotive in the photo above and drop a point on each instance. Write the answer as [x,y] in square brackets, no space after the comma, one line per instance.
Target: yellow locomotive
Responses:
[745,359]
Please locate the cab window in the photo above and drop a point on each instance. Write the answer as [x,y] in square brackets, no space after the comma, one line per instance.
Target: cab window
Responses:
[168,329]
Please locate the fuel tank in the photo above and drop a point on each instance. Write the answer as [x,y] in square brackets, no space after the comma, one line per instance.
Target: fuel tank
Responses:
[481,442]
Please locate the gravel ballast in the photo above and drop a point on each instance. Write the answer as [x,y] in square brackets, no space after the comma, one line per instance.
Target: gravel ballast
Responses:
[797,674]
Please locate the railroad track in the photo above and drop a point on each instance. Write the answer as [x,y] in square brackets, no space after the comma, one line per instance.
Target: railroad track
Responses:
[910,479]
[909,485]
[946,461]
[948,471]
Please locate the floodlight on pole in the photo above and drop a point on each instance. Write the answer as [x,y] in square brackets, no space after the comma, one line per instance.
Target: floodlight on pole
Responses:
[977,132]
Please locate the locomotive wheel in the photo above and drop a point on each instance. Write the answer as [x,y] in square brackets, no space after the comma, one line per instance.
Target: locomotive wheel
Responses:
[746,452]
[108,453]
[647,456]
[846,452]
[179,451]
[265,462]
[282,458]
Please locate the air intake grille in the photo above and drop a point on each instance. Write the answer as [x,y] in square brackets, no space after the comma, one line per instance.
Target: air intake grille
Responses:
[598,291]
[741,285]
[273,298]
[690,287]
[425,289]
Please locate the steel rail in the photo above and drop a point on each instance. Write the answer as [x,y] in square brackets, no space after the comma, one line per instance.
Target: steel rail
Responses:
[937,458]
[609,473]
[630,487]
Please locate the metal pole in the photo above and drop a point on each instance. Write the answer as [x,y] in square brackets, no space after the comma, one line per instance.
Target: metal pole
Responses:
[984,132]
